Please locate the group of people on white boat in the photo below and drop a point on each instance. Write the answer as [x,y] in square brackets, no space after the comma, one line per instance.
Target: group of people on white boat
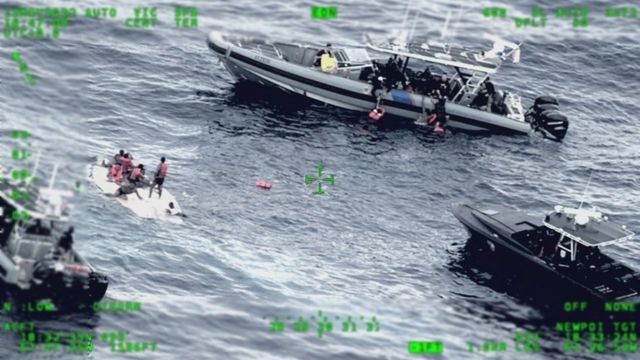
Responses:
[130,177]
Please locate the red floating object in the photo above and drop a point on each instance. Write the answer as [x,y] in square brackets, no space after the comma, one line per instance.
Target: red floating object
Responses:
[376,114]
[263,184]
[438,129]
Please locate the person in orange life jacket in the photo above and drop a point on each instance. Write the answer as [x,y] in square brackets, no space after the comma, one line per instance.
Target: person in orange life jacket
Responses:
[160,174]
[116,173]
[116,159]
[137,174]
[126,161]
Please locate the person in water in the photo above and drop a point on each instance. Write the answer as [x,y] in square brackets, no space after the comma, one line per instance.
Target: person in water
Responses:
[79,187]
[173,211]
[441,114]
[160,174]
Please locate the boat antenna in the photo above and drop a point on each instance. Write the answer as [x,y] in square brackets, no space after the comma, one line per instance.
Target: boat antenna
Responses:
[457,21]
[443,33]
[53,176]
[413,26]
[406,14]
[584,195]
[35,168]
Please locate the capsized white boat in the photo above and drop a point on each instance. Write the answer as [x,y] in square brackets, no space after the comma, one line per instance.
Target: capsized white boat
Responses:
[151,208]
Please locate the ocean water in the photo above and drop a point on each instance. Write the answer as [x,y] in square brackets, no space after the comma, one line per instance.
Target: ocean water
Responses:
[382,242]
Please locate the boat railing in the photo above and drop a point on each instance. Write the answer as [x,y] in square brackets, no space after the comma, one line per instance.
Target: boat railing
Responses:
[269,50]
[514,106]
[470,88]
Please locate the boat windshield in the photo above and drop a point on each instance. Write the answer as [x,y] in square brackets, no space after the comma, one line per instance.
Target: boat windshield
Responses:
[355,55]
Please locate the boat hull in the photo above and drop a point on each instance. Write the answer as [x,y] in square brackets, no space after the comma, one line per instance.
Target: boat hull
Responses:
[515,259]
[245,64]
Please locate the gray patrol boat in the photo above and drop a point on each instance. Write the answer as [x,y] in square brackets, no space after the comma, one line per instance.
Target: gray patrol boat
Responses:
[359,81]
[565,245]
[32,262]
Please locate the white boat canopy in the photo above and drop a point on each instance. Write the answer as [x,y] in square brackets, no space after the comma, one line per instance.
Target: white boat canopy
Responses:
[588,228]
[440,54]
[435,52]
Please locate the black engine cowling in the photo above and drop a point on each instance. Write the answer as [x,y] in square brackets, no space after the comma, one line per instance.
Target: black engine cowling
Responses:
[545,99]
[546,118]
[73,284]
[538,109]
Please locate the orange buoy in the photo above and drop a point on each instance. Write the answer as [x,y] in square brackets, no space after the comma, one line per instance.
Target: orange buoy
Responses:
[376,114]
[438,129]
[263,184]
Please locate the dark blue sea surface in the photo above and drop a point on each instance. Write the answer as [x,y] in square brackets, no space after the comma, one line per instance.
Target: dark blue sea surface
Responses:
[382,242]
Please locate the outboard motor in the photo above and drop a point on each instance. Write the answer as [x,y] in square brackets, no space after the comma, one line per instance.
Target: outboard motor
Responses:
[68,283]
[545,99]
[545,117]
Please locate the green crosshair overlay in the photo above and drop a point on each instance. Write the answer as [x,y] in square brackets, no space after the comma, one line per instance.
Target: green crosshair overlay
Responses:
[309,179]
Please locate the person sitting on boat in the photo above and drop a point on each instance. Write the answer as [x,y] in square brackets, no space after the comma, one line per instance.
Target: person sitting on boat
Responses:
[480,100]
[137,176]
[116,159]
[491,92]
[126,162]
[115,173]
[325,51]
[328,63]
[484,98]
